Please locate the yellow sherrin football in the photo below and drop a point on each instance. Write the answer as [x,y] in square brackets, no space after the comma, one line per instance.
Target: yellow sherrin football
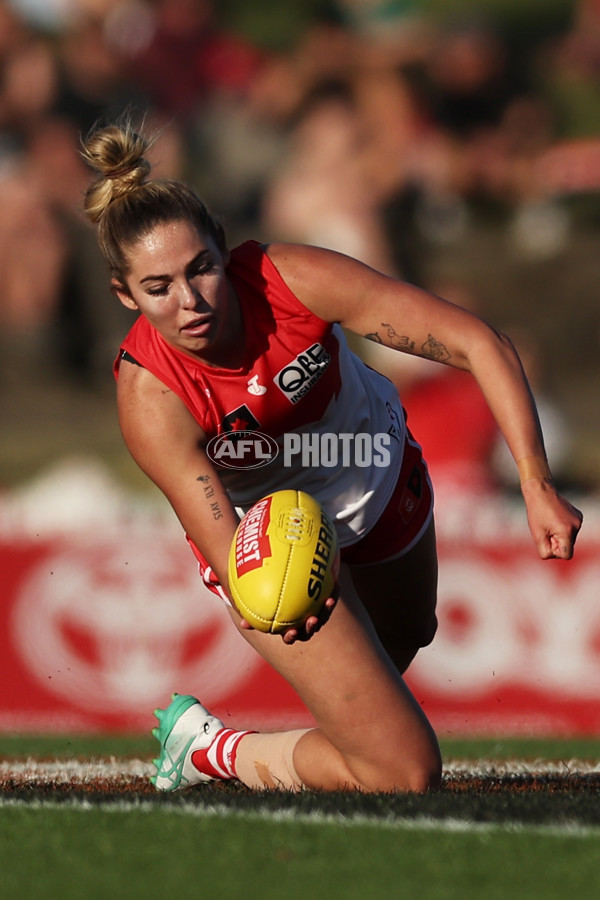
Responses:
[283,562]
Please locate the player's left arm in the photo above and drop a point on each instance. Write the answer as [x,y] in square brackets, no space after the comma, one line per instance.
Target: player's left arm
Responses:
[414,321]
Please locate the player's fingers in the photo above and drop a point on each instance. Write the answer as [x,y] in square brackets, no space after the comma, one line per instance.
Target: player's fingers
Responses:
[557,545]
[311,626]
[562,548]
[329,605]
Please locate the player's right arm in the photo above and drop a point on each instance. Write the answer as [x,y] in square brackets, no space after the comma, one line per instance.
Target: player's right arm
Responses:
[168,445]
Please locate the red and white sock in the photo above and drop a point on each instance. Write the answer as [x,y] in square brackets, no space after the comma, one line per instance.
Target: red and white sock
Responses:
[218,760]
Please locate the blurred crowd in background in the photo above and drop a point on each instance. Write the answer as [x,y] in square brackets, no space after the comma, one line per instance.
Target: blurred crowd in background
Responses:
[379,129]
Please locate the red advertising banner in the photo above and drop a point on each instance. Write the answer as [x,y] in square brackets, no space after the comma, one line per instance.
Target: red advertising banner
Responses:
[101,630]
[518,645]
[104,617]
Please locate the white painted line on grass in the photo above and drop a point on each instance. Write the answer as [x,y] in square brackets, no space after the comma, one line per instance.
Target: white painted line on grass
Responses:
[68,770]
[391,823]
[65,771]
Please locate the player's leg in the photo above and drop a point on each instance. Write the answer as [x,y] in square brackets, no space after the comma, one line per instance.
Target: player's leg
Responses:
[372,734]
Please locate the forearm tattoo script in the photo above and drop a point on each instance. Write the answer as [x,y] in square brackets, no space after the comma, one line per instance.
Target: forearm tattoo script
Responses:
[209,493]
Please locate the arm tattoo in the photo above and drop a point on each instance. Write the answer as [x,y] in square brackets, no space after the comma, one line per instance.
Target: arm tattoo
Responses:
[209,492]
[216,511]
[433,349]
[399,342]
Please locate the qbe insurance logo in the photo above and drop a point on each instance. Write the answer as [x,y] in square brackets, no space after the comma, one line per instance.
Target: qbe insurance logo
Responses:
[253,449]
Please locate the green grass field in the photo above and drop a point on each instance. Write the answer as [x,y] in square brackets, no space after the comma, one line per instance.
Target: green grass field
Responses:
[228,844]
[70,853]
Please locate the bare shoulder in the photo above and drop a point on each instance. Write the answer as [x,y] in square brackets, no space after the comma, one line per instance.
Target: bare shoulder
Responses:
[328,282]
[142,396]
[304,264]
[135,382]
[290,255]
[153,419]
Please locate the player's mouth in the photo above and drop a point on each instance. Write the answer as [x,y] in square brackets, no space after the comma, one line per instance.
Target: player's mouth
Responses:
[198,327]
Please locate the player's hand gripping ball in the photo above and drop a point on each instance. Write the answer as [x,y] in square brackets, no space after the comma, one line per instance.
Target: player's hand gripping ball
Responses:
[283,562]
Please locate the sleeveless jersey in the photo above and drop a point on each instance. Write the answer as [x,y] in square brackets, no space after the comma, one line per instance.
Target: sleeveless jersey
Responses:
[298,378]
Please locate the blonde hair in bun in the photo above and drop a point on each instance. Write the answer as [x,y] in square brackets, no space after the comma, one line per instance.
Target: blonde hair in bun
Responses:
[125,204]
[117,153]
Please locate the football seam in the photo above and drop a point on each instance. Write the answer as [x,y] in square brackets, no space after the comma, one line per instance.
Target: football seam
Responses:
[275,620]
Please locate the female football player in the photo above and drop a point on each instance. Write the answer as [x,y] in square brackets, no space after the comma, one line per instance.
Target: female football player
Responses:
[251,339]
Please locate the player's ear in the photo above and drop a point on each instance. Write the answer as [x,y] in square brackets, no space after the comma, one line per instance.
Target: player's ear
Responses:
[120,291]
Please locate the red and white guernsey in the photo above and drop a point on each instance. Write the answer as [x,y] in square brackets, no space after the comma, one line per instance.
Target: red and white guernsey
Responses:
[298,377]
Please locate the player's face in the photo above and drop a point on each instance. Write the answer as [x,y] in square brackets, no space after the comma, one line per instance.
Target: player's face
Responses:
[177,280]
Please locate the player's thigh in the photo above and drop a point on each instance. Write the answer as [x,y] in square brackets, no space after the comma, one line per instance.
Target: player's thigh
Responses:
[400,597]
[352,688]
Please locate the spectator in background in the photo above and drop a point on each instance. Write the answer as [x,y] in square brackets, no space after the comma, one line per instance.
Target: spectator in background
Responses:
[91,76]
[28,230]
[187,57]
[469,77]
[53,87]
[29,78]
[398,150]
[33,252]
[353,141]
[323,192]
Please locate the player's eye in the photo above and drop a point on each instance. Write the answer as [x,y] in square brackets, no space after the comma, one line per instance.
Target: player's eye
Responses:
[202,270]
[202,267]
[158,291]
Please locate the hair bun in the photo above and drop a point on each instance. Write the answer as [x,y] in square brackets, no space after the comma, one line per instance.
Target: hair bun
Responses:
[141,165]
[128,175]
[126,203]
[117,154]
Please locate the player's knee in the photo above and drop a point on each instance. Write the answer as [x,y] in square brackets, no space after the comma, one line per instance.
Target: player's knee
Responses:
[418,775]
[421,775]
[418,780]
[426,777]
